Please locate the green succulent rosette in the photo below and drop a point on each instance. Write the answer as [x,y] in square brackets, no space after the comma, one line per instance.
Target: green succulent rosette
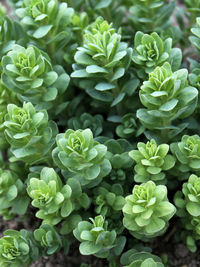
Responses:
[13,197]
[86,120]
[147,210]
[48,238]
[101,61]
[17,249]
[46,22]
[30,74]
[150,50]
[80,155]
[166,97]
[50,196]
[108,199]
[187,152]
[129,127]
[152,161]
[191,191]
[95,238]
[29,133]
[134,258]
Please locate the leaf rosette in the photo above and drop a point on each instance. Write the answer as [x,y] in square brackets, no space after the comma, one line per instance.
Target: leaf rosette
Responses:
[48,238]
[30,74]
[150,50]
[17,249]
[166,96]
[152,161]
[101,61]
[79,154]
[187,152]
[95,238]
[29,133]
[147,210]
[50,196]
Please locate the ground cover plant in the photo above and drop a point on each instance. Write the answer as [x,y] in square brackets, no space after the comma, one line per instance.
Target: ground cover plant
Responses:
[99,131]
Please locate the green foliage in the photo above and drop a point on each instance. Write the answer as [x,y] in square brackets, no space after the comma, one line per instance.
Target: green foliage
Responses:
[151,160]
[150,15]
[79,154]
[129,127]
[187,152]
[99,98]
[48,238]
[167,97]
[133,258]
[50,196]
[87,121]
[147,210]
[101,62]
[95,238]
[17,249]
[13,198]
[150,50]
[46,22]
[30,74]
[29,133]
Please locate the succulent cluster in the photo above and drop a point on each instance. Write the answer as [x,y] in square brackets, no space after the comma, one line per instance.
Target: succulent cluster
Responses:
[99,130]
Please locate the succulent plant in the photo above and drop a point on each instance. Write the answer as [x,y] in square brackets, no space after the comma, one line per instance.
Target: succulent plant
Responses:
[151,160]
[85,121]
[150,50]
[129,127]
[50,196]
[167,97]
[30,74]
[17,249]
[48,238]
[29,133]
[13,197]
[187,152]
[147,210]
[101,62]
[95,238]
[134,258]
[78,153]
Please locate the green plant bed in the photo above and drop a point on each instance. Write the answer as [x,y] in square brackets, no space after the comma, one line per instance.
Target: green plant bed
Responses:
[99,133]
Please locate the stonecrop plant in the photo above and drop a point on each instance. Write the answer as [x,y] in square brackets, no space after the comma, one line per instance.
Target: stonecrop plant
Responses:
[99,132]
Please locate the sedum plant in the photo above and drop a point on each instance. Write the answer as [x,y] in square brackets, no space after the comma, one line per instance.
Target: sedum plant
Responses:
[79,155]
[50,196]
[151,160]
[48,238]
[151,51]
[101,62]
[87,121]
[99,131]
[147,210]
[166,97]
[30,74]
[17,249]
[95,238]
[13,197]
[29,133]
[46,22]
[129,127]
[187,152]
[134,258]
